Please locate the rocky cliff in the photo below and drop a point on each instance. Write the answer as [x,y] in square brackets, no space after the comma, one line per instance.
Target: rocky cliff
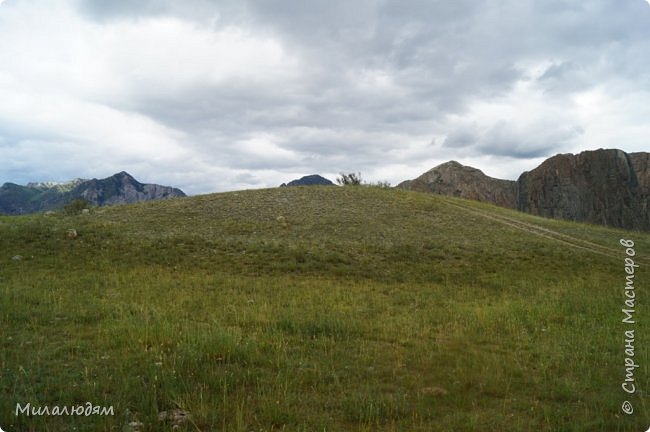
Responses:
[120,188]
[608,187]
[641,166]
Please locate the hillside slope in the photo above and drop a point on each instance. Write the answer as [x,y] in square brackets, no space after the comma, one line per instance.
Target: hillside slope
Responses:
[318,308]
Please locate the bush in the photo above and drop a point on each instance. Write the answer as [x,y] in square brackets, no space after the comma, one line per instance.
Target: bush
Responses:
[75,207]
[351,179]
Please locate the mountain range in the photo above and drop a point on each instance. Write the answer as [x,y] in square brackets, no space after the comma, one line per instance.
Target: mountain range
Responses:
[605,186]
[120,188]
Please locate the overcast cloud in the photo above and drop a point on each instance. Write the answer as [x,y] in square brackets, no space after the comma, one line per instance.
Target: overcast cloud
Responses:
[213,95]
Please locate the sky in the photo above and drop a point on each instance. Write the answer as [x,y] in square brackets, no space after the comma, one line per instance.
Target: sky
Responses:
[212,95]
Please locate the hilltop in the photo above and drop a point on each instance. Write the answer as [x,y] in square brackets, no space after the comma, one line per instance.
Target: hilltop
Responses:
[317,308]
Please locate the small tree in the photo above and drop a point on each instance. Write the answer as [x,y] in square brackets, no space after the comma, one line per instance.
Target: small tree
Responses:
[76,206]
[350,179]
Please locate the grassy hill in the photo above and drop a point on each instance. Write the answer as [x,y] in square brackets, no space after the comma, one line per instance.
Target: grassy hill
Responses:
[319,309]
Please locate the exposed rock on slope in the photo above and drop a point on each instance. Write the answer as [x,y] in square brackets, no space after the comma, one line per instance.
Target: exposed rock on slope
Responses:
[452,178]
[641,165]
[607,187]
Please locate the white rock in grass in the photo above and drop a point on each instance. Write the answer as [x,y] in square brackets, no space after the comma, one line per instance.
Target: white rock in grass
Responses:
[176,417]
[135,426]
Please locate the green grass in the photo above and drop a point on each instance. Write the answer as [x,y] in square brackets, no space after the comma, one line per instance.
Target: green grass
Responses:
[319,309]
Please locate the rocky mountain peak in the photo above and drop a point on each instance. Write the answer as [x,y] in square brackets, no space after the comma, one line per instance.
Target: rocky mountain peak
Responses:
[309,180]
[120,188]
[123,175]
[455,179]
[604,186]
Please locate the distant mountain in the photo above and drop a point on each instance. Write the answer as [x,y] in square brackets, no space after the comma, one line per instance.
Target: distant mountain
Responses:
[120,188]
[608,187]
[310,180]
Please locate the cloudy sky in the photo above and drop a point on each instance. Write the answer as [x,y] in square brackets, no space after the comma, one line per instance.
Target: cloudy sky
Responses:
[212,95]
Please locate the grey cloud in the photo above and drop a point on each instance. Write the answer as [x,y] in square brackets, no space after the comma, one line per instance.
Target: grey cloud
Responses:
[461,139]
[567,77]
[440,56]
[246,178]
[199,10]
[377,76]
[557,71]
[506,139]
[117,8]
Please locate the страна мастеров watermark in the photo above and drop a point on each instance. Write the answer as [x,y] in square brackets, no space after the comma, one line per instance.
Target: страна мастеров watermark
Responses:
[629,308]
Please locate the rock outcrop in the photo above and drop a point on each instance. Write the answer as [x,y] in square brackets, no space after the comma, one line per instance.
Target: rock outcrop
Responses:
[452,178]
[608,187]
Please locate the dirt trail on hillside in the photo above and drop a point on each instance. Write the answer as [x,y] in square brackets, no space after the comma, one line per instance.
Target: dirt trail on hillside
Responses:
[547,233]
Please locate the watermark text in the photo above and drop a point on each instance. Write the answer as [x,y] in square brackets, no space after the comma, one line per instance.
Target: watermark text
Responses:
[86,409]
[628,310]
